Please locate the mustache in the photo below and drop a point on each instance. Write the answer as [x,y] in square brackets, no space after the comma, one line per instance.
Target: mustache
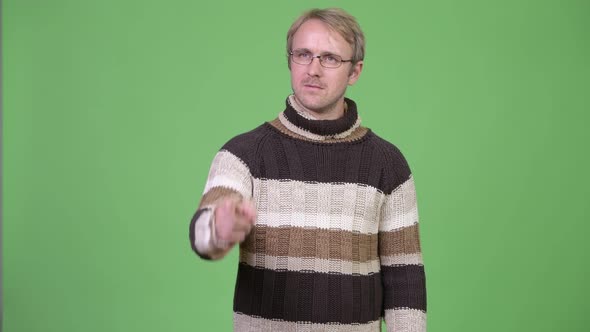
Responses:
[313,82]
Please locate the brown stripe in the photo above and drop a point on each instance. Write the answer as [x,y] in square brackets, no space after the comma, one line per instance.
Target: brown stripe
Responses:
[355,135]
[403,241]
[215,194]
[311,242]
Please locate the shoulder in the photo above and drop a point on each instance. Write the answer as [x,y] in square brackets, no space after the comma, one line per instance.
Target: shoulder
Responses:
[395,167]
[245,145]
[246,140]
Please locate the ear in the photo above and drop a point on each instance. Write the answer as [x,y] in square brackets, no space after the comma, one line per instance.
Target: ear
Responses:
[355,72]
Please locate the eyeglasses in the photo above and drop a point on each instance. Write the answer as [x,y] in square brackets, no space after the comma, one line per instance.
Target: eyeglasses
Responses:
[304,57]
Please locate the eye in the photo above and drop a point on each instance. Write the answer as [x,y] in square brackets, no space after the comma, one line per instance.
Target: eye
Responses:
[330,59]
[303,55]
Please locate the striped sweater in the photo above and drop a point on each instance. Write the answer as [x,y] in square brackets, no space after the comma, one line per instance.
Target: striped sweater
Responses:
[336,244]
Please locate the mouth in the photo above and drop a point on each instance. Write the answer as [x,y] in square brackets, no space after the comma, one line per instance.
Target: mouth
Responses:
[313,86]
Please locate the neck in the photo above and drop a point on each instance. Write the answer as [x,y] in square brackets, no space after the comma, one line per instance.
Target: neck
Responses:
[299,123]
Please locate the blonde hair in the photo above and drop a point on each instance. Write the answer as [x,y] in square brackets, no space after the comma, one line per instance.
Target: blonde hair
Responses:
[338,20]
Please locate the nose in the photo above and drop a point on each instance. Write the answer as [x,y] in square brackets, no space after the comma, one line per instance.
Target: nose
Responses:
[314,68]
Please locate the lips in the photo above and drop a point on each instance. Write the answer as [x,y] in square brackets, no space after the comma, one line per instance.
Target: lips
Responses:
[313,84]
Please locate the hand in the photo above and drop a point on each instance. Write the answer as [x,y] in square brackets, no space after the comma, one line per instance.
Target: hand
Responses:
[234,219]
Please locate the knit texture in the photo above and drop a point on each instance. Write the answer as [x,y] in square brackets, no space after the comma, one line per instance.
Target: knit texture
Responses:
[336,243]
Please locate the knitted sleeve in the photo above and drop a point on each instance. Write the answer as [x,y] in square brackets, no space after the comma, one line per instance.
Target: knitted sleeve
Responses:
[402,269]
[228,176]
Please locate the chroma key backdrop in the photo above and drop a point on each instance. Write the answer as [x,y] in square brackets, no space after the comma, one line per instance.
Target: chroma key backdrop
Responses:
[112,112]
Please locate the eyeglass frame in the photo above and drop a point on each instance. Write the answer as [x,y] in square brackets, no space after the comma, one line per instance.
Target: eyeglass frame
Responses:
[319,57]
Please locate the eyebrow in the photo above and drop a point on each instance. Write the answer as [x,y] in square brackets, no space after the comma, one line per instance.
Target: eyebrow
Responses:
[308,50]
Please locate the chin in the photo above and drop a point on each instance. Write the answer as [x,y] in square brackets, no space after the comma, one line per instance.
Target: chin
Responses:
[310,102]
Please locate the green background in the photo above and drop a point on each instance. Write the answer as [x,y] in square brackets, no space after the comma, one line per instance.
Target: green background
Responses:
[113,111]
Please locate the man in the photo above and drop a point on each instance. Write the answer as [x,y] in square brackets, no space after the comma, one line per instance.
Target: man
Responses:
[323,209]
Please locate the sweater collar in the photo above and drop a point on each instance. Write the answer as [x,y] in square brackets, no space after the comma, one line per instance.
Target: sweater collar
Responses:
[303,123]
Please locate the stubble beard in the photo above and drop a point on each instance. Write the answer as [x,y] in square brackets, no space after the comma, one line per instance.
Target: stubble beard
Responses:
[322,107]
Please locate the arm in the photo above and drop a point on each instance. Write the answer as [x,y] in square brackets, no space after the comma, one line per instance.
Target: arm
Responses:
[225,214]
[402,268]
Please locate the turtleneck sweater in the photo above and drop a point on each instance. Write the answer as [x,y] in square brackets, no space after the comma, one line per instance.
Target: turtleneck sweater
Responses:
[335,246]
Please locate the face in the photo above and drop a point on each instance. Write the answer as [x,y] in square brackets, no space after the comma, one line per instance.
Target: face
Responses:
[321,90]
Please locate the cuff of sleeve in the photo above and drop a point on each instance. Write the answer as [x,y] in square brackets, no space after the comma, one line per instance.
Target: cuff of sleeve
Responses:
[203,232]
[200,232]
[405,320]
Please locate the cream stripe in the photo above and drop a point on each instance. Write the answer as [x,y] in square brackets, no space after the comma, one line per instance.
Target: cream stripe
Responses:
[244,323]
[229,171]
[309,264]
[317,220]
[316,137]
[345,206]
[400,208]
[358,134]
[402,259]
[405,320]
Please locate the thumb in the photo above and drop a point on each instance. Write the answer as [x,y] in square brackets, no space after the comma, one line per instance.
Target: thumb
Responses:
[248,209]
